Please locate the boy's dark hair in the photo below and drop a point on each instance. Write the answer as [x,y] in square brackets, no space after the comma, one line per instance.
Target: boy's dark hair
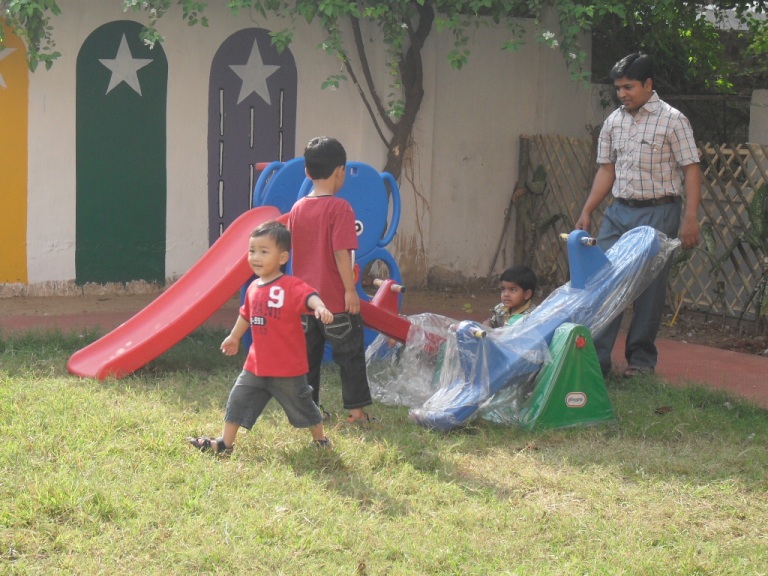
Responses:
[278,232]
[322,156]
[522,276]
[636,66]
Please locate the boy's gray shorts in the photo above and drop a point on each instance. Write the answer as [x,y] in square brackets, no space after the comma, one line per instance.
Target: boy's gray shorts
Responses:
[250,395]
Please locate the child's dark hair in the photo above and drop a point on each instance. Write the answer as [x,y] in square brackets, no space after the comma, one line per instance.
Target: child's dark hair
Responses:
[322,156]
[522,276]
[278,232]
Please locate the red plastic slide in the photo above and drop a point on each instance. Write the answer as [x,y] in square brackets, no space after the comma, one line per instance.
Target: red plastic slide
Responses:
[194,297]
[184,306]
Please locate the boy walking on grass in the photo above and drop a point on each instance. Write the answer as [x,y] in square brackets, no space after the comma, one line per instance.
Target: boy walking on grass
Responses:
[324,232]
[276,365]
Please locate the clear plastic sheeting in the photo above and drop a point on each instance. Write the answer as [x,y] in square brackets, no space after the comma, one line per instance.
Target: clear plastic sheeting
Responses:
[446,371]
[404,374]
[445,363]
[475,368]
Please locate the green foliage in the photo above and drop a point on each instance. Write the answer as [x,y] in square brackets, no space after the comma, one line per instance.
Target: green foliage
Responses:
[688,47]
[190,9]
[755,235]
[685,42]
[698,46]
[30,20]
[397,18]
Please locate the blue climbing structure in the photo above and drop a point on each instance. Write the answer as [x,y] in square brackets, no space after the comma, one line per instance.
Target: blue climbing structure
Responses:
[375,200]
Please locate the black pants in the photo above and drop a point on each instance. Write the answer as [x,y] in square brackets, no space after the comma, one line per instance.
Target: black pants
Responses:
[345,337]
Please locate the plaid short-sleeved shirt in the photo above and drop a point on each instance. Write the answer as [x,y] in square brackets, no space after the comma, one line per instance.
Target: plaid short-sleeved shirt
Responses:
[649,150]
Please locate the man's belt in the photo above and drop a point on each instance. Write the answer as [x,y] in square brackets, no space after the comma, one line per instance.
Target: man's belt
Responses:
[648,203]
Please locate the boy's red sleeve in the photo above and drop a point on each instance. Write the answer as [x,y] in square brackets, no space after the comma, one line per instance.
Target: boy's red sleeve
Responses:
[344,236]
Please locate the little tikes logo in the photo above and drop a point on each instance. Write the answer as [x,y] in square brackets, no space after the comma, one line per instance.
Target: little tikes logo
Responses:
[576,400]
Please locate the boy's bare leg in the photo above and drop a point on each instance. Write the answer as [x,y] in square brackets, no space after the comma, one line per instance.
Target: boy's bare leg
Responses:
[229,434]
[357,414]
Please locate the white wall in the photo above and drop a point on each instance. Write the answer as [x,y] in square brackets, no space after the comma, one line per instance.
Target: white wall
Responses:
[456,184]
[478,115]
[758,117]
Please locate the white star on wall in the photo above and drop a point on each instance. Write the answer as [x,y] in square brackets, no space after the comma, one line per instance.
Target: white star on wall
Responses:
[254,75]
[4,53]
[124,67]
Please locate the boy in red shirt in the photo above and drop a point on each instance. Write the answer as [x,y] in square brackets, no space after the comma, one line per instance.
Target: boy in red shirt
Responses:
[276,365]
[325,234]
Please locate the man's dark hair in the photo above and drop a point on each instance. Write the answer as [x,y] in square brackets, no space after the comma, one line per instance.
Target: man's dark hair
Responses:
[322,156]
[636,66]
[522,276]
[277,231]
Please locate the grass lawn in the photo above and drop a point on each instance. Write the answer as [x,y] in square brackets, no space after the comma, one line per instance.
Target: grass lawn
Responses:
[96,478]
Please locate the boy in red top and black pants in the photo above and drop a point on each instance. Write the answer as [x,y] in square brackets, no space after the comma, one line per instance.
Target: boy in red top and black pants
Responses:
[324,235]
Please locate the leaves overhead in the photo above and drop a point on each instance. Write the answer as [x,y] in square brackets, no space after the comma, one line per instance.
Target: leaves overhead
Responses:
[686,39]
[30,20]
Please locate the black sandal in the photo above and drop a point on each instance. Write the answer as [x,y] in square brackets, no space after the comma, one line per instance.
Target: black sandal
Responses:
[205,444]
[366,420]
[324,443]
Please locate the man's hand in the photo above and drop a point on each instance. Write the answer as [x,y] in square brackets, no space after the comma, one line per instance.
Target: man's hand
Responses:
[689,232]
[601,187]
[584,221]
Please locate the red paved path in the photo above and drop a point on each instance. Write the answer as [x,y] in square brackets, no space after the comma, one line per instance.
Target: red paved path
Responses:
[679,363]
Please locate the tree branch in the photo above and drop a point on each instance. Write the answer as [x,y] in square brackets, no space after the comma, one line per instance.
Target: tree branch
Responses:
[360,46]
[363,96]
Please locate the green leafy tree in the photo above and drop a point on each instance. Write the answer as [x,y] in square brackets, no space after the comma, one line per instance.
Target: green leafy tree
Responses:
[30,20]
[406,25]
[698,46]
[665,27]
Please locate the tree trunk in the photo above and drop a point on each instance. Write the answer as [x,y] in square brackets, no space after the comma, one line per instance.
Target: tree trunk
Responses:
[412,78]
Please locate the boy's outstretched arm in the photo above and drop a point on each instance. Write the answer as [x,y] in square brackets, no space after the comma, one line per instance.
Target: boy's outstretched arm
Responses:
[231,343]
[321,312]
[344,264]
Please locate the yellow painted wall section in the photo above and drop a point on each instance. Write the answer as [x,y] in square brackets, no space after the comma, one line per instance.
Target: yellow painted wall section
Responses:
[14,106]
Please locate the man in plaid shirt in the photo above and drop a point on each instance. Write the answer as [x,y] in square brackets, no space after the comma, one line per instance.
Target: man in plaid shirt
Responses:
[648,160]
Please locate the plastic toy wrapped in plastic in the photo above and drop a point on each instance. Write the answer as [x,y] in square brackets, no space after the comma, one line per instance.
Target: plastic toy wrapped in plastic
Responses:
[449,373]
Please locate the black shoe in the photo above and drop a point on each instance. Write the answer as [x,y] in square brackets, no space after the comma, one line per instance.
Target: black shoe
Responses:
[324,443]
[634,370]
